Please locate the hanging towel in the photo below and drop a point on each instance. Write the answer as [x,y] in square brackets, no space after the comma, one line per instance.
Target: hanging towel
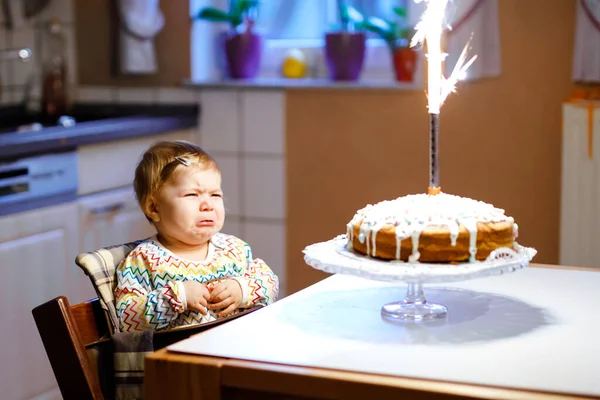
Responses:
[141,21]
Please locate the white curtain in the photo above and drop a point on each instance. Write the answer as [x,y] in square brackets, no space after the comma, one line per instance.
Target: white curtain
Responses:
[586,57]
[475,19]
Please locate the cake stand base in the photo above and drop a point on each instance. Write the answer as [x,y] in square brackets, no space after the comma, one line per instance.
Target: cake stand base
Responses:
[414,307]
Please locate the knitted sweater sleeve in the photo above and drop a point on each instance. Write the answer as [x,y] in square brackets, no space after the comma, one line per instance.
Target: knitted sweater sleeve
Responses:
[140,306]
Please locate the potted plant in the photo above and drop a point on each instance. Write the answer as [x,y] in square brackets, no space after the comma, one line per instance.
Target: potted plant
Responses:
[242,46]
[345,48]
[397,38]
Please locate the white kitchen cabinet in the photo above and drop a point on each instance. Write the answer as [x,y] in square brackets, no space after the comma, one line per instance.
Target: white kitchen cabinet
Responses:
[37,253]
[111,217]
[580,191]
[105,166]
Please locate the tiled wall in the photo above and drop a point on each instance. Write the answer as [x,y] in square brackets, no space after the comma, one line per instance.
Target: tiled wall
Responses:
[244,130]
[14,75]
[144,95]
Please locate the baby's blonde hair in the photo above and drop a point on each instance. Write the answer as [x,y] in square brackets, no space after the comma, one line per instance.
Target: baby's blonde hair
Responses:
[158,164]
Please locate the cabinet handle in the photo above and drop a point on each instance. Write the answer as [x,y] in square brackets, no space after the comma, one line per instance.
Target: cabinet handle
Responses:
[107,209]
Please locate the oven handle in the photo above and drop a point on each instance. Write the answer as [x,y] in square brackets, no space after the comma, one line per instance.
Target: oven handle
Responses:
[109,208]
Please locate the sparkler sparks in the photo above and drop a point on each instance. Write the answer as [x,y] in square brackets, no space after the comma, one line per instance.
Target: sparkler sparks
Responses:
[429,31]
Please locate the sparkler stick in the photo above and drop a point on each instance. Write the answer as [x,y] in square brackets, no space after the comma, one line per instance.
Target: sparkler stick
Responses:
[429,30]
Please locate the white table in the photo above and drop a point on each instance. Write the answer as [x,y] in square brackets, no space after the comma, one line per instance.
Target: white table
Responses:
[536,329]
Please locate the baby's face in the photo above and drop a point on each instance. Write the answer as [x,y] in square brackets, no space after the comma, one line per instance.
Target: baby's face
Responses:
[190,206]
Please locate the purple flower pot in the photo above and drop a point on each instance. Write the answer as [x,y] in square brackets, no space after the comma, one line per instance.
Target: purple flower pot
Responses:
[345,54]
[243,53]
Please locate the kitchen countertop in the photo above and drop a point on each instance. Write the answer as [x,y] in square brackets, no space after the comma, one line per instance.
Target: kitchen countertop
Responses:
[98,123]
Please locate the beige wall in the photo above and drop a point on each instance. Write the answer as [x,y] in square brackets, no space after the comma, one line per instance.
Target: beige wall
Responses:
[500,140]
[96,26]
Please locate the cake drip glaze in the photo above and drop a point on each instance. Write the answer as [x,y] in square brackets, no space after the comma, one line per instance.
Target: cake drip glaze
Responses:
[412,214]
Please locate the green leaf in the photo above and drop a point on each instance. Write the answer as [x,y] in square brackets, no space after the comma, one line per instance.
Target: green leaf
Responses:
[344,17]
[400,11]
[214,15]
[354,15]
[350,17]
[380,27]
[233,6]
[239,7]
[406,33]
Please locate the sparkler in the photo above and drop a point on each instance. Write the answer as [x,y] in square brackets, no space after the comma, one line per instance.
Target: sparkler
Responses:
[429,31]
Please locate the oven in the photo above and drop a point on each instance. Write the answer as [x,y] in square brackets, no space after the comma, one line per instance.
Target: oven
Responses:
[37,181]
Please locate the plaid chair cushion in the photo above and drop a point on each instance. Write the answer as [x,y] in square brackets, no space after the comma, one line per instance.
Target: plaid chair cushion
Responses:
[100,265]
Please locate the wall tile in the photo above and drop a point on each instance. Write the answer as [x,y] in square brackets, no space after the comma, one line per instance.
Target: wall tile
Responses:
[219,123]
[168,95]
[268,242]
[29,33]
[230,173]
[264,188]
[23,71]
[137,95]
[264,120]
[5,96]
[233,226]
[96,94]
[18,17]
[71,55]
[61,9]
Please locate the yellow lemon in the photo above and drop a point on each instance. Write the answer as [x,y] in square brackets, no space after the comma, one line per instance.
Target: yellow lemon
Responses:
[294,64]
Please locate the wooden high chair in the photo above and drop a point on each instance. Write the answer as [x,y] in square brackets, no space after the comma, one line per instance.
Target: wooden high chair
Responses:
[78,338]
[80,350]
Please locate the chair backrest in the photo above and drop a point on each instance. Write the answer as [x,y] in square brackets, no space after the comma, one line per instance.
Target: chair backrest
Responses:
[80,348]
[100,266]
[66,332]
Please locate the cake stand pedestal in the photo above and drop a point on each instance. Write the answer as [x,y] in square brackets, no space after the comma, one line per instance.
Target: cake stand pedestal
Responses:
[333,256]
[414,307]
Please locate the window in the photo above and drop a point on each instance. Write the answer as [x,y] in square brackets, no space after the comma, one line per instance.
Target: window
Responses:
[310,19]
[303,23]
[299,24]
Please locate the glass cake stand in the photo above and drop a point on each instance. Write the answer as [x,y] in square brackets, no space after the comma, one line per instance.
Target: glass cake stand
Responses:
[334,257]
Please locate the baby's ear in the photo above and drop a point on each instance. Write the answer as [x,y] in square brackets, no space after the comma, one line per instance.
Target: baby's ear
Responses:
[151,209]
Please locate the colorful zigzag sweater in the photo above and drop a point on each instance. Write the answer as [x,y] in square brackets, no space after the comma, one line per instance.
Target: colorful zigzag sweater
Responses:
[150,292]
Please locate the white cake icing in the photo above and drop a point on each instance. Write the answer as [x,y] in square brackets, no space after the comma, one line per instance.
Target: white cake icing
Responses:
[412,214]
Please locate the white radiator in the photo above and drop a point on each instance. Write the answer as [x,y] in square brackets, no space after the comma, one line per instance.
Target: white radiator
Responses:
[580,192]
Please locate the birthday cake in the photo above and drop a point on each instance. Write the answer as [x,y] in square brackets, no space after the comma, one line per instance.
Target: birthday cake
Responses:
[439,228]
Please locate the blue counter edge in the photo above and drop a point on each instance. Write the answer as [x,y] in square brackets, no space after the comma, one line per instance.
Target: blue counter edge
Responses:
[55,139]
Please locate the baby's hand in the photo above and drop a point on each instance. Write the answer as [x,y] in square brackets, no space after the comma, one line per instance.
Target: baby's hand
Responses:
[197,296]
[226,296]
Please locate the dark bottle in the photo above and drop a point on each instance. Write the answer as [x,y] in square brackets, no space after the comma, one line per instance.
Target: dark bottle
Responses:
[55,100]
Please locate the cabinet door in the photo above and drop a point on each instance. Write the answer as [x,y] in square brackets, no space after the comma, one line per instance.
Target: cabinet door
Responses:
[111,217]
[37,253]
[580,191]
